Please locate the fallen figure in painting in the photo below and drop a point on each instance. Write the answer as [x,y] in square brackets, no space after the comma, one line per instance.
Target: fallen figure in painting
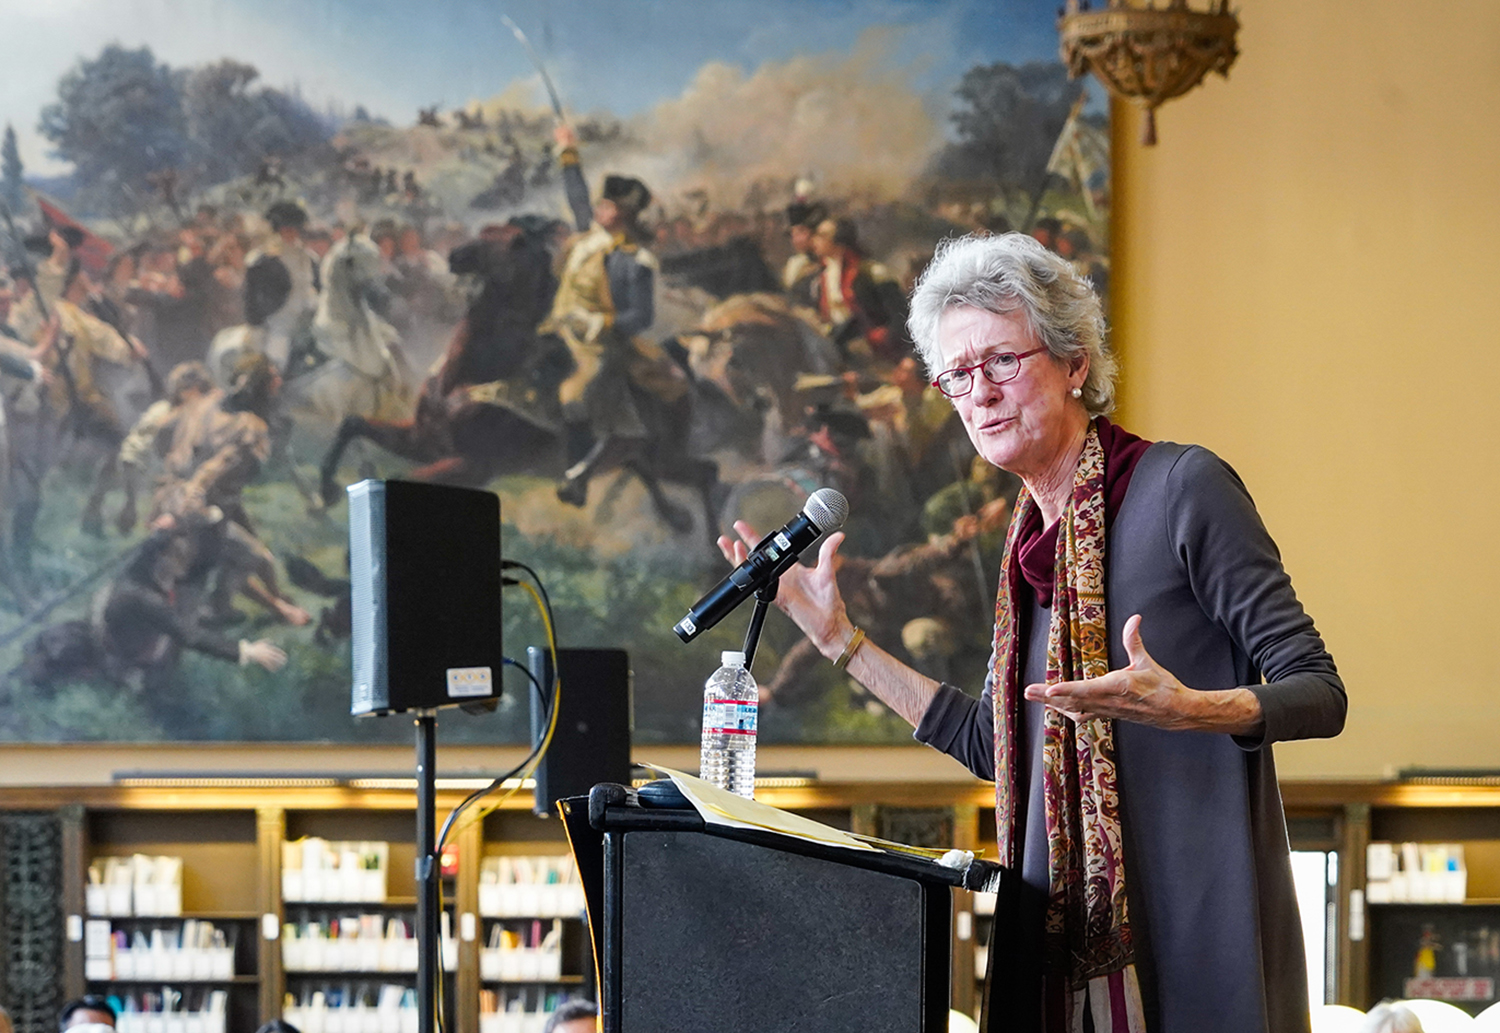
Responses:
[143,620]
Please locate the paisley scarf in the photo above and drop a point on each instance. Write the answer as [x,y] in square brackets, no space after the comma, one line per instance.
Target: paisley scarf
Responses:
[1089,964]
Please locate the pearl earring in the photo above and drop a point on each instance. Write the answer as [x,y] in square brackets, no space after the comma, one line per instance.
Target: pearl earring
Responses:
[1077,392]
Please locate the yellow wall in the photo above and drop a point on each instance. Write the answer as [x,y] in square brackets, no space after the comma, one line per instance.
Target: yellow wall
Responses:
[1306,282]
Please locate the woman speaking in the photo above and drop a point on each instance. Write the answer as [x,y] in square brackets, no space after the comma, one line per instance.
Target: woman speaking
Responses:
[1148,650]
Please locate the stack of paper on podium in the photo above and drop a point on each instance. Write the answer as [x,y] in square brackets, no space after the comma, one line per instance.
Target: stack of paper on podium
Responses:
[725,809]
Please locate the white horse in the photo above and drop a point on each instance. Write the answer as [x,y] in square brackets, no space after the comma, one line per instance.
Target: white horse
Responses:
[365,373]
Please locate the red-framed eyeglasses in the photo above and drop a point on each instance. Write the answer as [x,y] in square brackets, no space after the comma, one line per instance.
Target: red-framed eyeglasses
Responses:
[1000,368]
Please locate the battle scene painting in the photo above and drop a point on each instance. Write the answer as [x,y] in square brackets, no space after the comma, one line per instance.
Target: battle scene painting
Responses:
[638,268]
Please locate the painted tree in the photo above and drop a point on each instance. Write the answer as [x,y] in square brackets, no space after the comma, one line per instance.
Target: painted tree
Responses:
[12,182]
[233,123]
[118,118]
[1007,120]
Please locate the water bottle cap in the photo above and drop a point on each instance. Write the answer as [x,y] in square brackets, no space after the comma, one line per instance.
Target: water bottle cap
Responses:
[732,658]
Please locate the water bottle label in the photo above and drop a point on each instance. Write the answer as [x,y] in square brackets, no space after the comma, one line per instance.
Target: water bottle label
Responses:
[730,716]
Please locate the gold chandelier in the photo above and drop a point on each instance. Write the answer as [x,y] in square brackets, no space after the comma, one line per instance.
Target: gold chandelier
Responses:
[1148,54]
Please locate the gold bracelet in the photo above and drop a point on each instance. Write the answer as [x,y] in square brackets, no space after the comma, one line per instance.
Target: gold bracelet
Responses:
[849,650]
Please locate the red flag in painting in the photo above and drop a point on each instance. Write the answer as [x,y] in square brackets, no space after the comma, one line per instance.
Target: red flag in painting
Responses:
[94,252]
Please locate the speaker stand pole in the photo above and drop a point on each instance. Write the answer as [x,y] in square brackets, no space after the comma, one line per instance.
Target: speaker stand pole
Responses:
[429,942]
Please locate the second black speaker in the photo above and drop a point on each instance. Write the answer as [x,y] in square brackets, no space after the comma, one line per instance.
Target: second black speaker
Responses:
[592,741]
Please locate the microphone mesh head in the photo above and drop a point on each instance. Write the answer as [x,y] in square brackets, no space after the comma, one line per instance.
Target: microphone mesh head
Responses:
[827,509]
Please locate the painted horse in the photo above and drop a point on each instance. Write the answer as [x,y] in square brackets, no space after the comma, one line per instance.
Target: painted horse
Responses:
[491,409]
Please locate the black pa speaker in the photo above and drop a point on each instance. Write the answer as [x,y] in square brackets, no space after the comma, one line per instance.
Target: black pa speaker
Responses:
[424,573]
[592,741]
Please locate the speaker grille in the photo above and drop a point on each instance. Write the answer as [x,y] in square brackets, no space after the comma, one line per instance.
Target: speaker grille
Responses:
[366,581]
[827,509]
[425,591]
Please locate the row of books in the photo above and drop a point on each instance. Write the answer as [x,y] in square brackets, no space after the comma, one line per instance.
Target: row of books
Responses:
[526,951]
[171,1010]
[358,943]
[140,884]
[541,887]
[1398,873]
[314,869]
[187,950]
[517,1010]
[356,1008]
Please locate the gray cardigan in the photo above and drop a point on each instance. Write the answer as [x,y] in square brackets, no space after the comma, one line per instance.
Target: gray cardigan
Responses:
[1219,944]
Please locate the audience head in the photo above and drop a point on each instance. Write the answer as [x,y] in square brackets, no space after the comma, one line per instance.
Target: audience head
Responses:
[278,1026]
[88,1010]
[574,1016]
[1390,1018]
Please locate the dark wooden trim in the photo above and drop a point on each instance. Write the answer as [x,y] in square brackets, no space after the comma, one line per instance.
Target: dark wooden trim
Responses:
[1354,955]
[964,997]
[270,832]
[74,847]
[470,839]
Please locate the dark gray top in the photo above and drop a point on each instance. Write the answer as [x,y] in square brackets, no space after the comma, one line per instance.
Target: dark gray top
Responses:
[1219,943]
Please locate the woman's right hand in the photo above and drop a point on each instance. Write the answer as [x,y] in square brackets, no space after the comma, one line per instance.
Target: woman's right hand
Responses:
[808,595]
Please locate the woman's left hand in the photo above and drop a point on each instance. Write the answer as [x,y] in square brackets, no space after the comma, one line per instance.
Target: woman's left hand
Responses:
[1149,694]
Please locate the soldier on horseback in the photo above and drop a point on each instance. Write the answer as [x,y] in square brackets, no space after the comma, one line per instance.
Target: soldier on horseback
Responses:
[604,302]
[493,405]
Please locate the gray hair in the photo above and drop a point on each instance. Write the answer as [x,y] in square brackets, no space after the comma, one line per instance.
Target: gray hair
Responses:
[571,1009]
[1391,1018]
[1013,272]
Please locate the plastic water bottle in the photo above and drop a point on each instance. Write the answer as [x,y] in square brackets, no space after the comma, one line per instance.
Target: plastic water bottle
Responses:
[731,710]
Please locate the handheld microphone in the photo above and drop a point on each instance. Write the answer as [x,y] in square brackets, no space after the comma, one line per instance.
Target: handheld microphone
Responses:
[824,512]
